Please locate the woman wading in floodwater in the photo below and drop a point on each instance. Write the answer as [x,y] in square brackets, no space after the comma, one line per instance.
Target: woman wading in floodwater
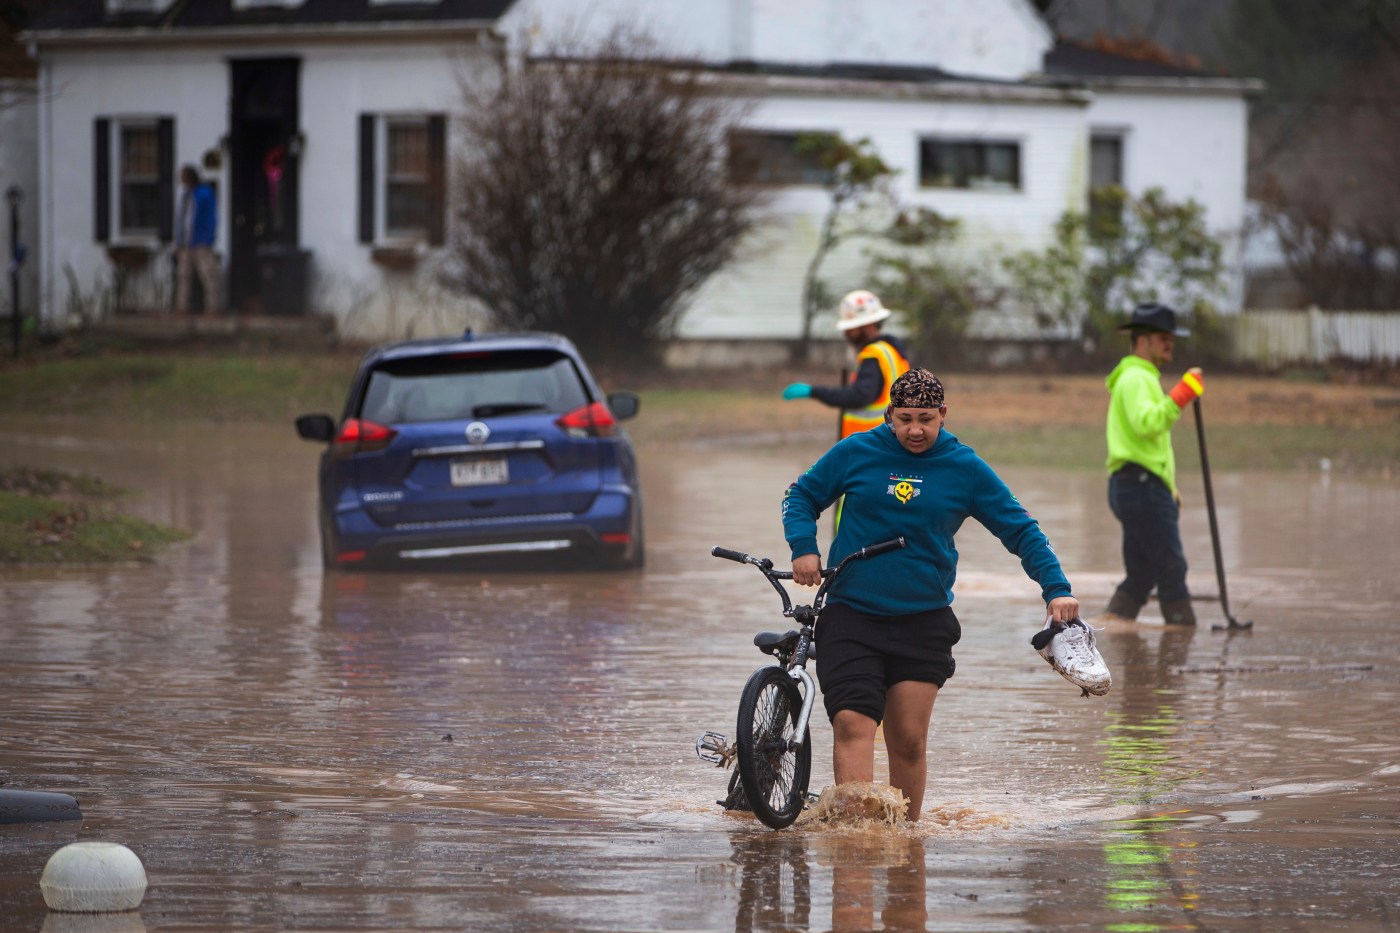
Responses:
[885,639]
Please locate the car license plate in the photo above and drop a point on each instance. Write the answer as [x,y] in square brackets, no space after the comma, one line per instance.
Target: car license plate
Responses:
[480,471]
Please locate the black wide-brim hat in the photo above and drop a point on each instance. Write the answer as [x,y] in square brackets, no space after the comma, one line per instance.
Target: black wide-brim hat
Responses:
[1155,317]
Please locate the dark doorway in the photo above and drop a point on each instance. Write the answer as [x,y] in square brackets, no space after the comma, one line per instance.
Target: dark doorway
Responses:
[267,267]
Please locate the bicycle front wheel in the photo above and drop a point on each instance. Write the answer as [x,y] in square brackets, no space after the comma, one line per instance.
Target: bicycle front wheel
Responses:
[774,772]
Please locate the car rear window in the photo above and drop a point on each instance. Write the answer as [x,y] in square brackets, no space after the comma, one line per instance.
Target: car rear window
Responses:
[472,385]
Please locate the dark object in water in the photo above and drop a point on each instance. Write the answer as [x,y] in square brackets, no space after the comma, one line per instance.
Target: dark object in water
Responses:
[735,799]
[34,806]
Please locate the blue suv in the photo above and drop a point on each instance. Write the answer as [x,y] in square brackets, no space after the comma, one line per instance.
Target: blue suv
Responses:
[453,449]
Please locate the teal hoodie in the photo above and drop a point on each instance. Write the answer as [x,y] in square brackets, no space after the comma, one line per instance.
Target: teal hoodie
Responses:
[925,497]
[1140,419]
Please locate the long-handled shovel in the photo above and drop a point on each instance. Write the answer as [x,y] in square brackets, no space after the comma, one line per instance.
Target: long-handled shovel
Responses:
[840,431]
[841,412]
[1214,527]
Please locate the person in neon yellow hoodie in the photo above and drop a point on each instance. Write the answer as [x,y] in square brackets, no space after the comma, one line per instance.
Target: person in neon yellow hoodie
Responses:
[1142,468]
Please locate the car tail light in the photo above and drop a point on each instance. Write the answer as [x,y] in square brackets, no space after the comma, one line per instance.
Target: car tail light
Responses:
[358,436]
[618,537]
[589,421]
[351,557]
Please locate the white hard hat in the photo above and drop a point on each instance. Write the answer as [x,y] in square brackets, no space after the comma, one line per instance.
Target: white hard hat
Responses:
[858,309]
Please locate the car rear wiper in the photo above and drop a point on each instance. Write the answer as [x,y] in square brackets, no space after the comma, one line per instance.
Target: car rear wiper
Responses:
[504,408]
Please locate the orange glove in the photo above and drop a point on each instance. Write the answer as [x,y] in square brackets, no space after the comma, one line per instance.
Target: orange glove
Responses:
[1189,388]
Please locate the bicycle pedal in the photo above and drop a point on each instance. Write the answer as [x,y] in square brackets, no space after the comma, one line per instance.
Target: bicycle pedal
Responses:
[711,746]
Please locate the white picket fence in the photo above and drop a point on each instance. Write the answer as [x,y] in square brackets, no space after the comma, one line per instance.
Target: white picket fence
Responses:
[1278,338]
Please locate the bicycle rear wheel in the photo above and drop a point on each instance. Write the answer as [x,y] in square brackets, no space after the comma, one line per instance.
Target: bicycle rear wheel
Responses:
[774,774]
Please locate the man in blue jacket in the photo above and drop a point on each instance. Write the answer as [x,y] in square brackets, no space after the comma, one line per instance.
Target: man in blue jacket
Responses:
[886,635]
[194,242]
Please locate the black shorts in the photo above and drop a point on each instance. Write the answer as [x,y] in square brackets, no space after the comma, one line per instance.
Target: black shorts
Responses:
[859,656]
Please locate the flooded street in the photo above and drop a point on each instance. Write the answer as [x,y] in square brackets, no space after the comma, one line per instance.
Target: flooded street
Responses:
[287,750]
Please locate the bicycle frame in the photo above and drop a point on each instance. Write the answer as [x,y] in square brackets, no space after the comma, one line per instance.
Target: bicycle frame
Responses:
[796,663]
[713,746]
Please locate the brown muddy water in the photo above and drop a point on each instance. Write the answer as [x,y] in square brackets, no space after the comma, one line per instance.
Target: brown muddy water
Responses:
[514,750]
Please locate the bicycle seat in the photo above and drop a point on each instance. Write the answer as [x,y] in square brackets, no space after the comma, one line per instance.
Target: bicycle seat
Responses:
[772,642]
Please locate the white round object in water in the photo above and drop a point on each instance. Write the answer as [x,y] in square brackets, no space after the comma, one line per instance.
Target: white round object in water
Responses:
[93,877]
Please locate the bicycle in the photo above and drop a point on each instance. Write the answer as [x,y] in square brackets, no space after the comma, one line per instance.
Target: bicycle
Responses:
[771,741]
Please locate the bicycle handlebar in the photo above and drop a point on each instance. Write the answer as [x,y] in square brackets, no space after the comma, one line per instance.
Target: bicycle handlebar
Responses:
[873,550]
[893,544]
[762,563]
[765,565]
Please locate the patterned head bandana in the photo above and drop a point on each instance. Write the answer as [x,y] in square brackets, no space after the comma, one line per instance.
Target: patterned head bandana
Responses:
[918,388]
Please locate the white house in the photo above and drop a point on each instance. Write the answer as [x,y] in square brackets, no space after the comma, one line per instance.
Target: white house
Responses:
[1179,129]
[325,127]
[19,181]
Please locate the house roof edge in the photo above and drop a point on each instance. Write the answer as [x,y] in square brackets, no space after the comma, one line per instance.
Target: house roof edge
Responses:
[280,32]
[1246,87]
[952,88]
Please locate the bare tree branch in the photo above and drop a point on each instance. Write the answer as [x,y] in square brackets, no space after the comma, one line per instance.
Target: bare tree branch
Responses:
[592,196]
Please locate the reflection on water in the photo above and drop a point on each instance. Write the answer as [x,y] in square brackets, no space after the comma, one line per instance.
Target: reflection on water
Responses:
[1150,873]
[775,883]
[513,751]
[877,880]
[871,878]
[126,922]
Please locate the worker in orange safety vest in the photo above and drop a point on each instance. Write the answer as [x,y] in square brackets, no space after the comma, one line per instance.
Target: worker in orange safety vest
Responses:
[880,360]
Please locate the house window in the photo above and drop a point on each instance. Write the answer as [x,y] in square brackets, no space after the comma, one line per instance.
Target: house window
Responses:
[408,179]
[133,179]
[138,188]
[963,163]
[1105,177]
[763,158]
[402,178]
[1105,160]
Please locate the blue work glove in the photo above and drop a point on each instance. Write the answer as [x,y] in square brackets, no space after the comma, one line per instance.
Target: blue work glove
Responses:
[797,390]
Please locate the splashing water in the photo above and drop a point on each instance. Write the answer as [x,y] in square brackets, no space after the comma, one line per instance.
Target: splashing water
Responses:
[857,803]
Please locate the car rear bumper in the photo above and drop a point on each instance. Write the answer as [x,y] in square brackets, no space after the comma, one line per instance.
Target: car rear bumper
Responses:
[606,528]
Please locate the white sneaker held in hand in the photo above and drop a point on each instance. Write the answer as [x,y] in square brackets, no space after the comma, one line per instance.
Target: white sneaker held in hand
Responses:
[1069,648]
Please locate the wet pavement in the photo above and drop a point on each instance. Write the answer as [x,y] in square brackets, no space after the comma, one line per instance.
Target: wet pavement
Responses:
[514,751]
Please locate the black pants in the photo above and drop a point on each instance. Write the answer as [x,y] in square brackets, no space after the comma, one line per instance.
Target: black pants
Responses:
[859,656]
[1152,552]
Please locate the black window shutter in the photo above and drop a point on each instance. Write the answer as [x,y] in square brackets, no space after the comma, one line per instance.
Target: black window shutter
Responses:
[366,178]
[437,179]
[101,179]
[165,142]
